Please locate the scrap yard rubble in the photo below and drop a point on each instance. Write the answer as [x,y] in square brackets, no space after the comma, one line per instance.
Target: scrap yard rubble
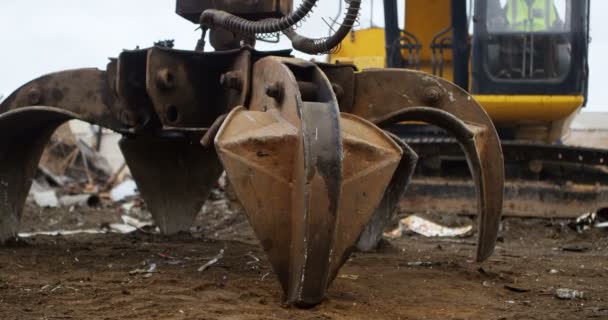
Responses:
[74,175]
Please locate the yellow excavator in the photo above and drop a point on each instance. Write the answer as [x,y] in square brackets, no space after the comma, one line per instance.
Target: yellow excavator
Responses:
[526,63]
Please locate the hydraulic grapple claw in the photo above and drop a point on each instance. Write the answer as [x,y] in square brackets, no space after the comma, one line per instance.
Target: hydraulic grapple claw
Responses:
[308,177]
[388,207]
[29,117]
[174,176]
[386,97]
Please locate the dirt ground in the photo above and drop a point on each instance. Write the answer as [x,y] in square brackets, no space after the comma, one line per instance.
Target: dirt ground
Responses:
[105,276]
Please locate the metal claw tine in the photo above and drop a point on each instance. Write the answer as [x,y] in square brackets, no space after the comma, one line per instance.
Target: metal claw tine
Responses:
[384,214]
[485,162]
[388,96]
[23,135]
[174,176]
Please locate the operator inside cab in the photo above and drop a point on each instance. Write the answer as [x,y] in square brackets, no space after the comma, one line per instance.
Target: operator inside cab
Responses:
[528,34]
[531,15]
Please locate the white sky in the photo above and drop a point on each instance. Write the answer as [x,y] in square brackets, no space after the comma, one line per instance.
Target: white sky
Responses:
[42,36]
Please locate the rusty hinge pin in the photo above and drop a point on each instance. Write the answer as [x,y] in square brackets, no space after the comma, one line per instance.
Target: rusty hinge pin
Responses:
[275,90]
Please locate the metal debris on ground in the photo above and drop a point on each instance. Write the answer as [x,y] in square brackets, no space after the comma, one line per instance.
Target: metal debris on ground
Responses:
[590,220]
[576,247]
[46,199]
[348,276]
[513,288]
[568,294]
[152,268]
[125,190]
[601,220]
[421,264]
[428,228]
[211,262]
[254,258]
[134,222]
[80,200]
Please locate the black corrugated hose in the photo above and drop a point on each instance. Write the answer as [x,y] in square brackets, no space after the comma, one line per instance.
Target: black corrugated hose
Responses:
[230,22]
[325,45]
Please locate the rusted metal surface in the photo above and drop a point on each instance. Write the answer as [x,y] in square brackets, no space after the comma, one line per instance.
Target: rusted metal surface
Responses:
[389,96]
[84,92]
[23,135]
[174,175]
[191,89]
[298,167]
[130,88]
[342,79]
[386,211]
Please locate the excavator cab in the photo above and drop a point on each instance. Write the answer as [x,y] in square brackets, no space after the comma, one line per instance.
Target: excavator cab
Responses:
[530,47]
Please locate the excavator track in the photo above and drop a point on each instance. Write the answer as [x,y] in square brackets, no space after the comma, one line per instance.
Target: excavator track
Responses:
[542,180]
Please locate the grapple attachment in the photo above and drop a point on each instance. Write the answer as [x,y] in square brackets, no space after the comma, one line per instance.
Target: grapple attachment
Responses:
[302,144]
[308,177]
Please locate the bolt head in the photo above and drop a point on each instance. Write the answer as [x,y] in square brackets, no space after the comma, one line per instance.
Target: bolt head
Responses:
[275,90]
[432,94]
[34,96]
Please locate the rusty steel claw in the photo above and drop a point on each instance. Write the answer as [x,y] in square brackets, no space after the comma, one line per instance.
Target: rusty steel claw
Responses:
[29,117]
[384,214]
[388,96]
[174,176]
[23,136]
[308,177]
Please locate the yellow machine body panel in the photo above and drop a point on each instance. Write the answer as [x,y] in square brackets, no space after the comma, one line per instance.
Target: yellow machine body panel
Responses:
[425,19]
[366,49]
[363,48]
[509,109]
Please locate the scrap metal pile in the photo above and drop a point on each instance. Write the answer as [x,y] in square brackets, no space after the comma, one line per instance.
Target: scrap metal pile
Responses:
[301,142]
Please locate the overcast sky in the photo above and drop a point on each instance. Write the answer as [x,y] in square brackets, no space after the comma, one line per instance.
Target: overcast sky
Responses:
[42,36]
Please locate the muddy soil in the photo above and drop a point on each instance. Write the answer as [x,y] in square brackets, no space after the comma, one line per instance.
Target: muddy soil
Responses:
[105,276]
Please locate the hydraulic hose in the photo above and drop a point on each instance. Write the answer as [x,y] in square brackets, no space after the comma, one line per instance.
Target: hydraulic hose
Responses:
[211,18]
[324,45]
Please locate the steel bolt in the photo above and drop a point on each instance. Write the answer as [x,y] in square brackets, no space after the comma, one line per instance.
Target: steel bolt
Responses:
[275,90]
[232,80]
[34,96]
[165,79]
[432,94]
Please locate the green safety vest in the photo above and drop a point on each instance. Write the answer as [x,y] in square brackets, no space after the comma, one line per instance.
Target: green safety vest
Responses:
[541,16]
